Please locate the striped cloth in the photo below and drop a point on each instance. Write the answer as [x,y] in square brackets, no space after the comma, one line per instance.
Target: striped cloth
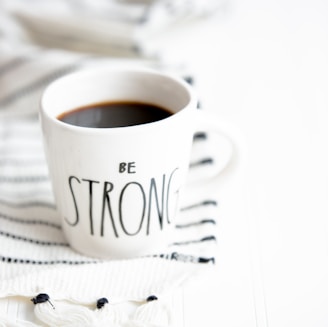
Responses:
[111,27]
[34,255]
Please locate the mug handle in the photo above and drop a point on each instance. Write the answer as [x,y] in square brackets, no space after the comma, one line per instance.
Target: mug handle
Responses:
[213,147]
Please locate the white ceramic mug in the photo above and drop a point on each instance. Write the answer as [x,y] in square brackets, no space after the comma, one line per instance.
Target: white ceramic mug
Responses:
[117,189]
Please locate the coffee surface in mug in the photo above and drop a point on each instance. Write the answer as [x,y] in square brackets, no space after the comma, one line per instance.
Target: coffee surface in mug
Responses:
[114,114]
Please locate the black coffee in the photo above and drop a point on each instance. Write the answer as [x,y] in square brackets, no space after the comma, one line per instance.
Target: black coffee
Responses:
[114,114]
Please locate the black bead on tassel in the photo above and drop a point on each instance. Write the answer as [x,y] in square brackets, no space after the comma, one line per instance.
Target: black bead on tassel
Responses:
[151,298]
[101,302]
[41,298]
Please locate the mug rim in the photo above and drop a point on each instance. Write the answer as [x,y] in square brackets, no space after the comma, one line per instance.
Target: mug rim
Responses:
[190,105]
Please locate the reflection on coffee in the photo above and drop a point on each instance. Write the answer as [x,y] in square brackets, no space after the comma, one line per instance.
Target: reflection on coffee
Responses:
[114,114]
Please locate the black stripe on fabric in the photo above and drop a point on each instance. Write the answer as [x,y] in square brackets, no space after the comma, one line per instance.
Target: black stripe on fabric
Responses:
[41,82]
[171,256]
[21,161]
[29,222]
[200,204]
[205,161]
[28,204]
[17,133]
[197,223]
[204,239]
[31,240]
[12,64]
[177,256]
[206,260]
[189,79]
[200,136]
[24,179]
[46,262]
[26,148]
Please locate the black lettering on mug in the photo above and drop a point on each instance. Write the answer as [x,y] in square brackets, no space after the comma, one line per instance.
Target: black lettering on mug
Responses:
[91,182]
[128,167]
[153,194]
[122,167]
[168,194]
[139,190]
[70,182]
[154,197]
[108,187]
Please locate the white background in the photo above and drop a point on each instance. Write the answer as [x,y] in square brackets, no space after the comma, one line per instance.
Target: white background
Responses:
[263,66]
